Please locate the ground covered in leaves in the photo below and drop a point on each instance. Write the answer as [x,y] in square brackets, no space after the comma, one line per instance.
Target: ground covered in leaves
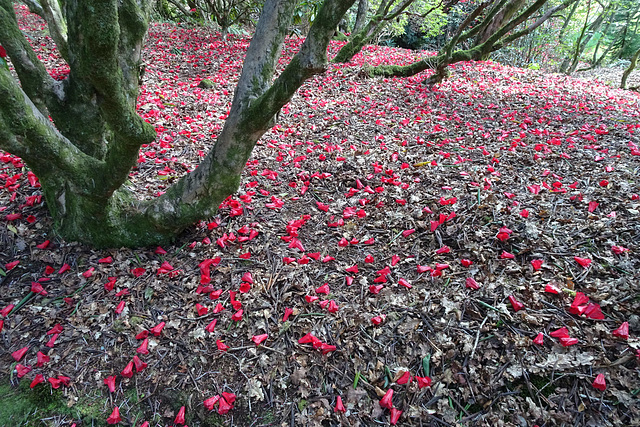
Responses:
[472,247]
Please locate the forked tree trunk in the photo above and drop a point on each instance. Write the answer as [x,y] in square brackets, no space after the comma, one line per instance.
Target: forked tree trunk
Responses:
[81,174]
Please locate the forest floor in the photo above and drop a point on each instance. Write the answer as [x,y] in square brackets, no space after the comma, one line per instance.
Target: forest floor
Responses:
[472,247]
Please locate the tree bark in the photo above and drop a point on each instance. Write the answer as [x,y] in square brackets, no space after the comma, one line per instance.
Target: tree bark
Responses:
[361,15]
[629,70]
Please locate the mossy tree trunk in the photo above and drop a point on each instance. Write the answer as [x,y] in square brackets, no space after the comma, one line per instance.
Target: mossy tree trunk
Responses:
[505,33]
[82,168]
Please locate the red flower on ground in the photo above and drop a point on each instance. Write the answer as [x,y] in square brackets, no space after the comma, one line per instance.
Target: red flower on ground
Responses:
[259,339]
[599,383]
[114,418]
[622,331]
[395,416]
[423,381]
[110,382]
[517,305]
[387,399]
[19,354]
[180,417]
[539,339]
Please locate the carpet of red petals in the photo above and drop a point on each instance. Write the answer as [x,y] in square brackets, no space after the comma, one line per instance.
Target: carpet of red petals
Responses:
[459,255]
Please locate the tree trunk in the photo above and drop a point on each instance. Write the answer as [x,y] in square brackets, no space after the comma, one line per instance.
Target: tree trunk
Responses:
[361,15]
[627,72]
[583,41]
[502,17]
[81,173]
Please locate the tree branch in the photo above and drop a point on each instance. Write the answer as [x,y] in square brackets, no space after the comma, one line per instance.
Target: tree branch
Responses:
[27,133]
[533,26]
[36,81]
[57,25]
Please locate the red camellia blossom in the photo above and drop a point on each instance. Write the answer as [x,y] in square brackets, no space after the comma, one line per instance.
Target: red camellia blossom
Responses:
[259,339]
[394,416]
[539,339]
[599,383]
[405,378]
[37,380]
[423,381]
[114,418]
[110,382]
[466,262]
[471,283]
[339,406]
[517,305]
[582,261]
[19,354]
[180,417]
[507,255]
[222,346]
[287,312]
[387,399]
[157,330]
[3,52]
[622,331]
[127,372]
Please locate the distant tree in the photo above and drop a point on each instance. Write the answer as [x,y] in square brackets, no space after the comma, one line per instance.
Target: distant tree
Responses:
[393,14]
[490,26]
[589,30]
